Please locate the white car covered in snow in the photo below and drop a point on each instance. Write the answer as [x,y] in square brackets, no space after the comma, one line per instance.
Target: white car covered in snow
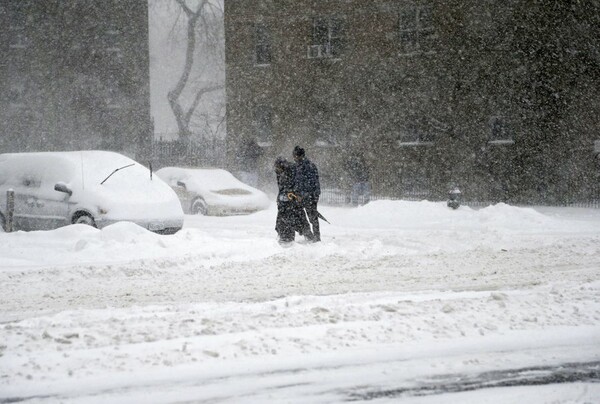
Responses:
[213,191]
[54,189]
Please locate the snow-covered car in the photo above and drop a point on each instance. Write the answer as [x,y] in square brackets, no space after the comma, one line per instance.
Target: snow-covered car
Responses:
[98,188]
[213,191]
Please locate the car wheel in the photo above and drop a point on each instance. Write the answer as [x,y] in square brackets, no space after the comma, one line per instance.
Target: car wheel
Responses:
[199,207]
[84,218]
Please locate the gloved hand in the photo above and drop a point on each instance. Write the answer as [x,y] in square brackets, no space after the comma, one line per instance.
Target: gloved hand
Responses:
[293,196]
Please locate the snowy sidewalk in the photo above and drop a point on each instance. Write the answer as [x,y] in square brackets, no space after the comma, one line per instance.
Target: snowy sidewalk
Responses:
[398,293]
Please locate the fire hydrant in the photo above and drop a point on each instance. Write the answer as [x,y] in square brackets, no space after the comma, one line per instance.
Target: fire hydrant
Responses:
[454,198]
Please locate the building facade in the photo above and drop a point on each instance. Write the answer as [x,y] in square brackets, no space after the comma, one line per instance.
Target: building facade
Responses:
[74,75]
[497,97]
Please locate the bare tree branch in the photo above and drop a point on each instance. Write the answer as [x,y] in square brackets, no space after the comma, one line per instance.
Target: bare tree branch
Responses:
[185,8]
[197,98]
[182,117]
[221,122]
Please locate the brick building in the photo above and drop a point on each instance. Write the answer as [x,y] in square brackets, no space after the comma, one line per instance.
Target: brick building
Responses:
[495,96]
[74,75]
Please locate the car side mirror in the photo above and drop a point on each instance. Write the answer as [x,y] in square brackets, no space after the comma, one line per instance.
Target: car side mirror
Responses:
[62,187]
[181,184]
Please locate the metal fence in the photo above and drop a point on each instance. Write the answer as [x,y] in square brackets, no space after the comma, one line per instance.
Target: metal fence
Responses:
[339,197]
[209,152]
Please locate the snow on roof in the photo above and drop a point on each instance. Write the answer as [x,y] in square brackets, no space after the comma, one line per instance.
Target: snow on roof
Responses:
[94,164]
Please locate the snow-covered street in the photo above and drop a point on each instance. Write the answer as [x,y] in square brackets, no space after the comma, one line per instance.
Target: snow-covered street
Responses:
[401,299]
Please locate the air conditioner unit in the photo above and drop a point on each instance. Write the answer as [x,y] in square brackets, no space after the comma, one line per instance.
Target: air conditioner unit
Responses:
[315,51]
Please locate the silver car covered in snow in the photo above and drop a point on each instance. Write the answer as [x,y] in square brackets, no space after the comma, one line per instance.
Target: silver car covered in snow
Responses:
[54,189]
[213,191]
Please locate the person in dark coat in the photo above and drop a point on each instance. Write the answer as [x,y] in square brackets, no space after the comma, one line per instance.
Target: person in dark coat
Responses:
[290,215]
[358,174]
[308,190]
[248,157]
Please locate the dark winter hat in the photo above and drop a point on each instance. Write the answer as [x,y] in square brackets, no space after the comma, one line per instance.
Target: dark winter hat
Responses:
[298,151]
[279,162]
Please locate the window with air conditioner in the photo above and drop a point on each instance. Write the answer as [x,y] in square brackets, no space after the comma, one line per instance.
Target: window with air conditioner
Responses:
[500,130]
[326,38]
[416,30]
[416,135]
[314,51]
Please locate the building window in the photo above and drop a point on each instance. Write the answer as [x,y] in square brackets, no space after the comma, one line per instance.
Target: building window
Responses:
[415,135]
[414,181]
[328,135]
[112,43]
[416,28]
[16,95]
[18,26]
[500,131]
[263,44]
[263,125]
[326,38]
[18,40]
[325,116]
[112,99]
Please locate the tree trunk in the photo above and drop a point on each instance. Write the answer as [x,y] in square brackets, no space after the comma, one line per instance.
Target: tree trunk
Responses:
[182,117]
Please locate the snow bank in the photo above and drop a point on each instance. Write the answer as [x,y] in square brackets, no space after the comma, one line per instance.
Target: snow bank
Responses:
[121,242]
[394,227]
[425,214]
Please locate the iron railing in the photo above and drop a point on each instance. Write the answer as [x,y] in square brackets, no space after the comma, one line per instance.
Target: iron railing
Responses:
[339,197]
